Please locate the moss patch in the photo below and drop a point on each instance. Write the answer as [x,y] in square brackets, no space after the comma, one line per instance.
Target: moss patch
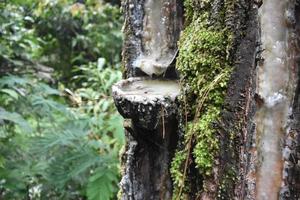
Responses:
[205,68]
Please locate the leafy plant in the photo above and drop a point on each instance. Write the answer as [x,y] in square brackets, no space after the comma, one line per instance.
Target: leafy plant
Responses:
[60,134]
[76,34]
[58,148]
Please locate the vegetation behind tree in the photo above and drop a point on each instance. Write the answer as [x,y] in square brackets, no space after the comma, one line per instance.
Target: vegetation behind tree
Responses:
[60,135]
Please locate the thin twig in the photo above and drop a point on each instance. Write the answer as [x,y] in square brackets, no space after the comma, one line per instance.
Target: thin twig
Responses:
[197,115]
[163,122]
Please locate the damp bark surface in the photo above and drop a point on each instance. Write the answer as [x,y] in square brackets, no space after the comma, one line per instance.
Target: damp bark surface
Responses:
[148,99]
[258,128]
[239,106]
[151,32]
[150,110]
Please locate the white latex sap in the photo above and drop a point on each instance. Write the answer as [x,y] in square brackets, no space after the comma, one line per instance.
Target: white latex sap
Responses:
[156,56]
[272,86]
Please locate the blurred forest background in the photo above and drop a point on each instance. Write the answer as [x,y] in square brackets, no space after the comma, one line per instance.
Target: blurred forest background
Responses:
[60,135]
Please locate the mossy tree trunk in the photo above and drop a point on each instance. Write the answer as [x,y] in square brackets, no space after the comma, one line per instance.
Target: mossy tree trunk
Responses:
[219,51]
[217,59]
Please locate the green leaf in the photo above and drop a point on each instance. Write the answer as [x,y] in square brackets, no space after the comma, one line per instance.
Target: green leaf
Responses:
[100,63]
[116,126]
[12,80]
[101,185]
[46,89]
[2,161]
[105,105]
[15,118]
[11,93]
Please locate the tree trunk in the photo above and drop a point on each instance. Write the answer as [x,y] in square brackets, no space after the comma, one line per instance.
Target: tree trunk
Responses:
[234,132]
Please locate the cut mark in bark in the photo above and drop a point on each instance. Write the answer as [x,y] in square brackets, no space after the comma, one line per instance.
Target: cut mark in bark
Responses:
[147,90]
[274,89]
[159,44]
[152,136]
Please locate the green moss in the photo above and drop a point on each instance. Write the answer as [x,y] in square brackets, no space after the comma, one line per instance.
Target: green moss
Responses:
[178,175]
[206,140]
[227,182]
[205,71]
[177,163]
[205,68]
[194,9]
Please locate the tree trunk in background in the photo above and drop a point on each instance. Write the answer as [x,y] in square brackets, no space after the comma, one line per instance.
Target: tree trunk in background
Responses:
[236,166]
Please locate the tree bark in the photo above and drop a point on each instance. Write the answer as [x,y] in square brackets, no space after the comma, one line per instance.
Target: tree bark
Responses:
[237,165]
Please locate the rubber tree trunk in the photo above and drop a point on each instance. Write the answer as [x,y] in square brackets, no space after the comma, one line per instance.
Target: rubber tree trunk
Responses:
[258,128]
[149,103]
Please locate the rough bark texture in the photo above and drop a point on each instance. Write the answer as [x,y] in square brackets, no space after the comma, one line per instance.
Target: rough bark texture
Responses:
[293,141]
[291,179]
[148,154]
[132,29]
[233,174]
[146,162]
[151,127]
[291,167]
[239,105]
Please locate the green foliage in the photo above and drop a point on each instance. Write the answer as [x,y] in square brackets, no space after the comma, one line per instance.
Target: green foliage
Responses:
[99,187]
[60,134]
[75,34]
[205,69]
[18,44]
[178,175]
[58,34]
[61,146]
